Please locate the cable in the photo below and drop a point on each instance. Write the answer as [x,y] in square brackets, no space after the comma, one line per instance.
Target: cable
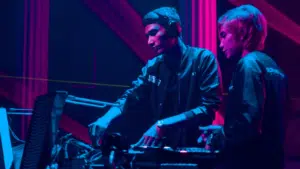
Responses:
[65,81]
[95,157]
[15,136]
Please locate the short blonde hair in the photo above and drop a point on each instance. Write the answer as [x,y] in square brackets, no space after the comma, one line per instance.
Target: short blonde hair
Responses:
[249,21]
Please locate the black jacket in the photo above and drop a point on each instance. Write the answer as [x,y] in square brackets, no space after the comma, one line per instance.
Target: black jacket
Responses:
[254,117]
[198,95]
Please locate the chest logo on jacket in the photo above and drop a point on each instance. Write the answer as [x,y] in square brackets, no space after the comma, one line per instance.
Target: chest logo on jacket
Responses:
[154,80]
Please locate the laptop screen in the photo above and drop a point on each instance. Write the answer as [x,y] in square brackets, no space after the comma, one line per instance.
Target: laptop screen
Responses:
[6,152]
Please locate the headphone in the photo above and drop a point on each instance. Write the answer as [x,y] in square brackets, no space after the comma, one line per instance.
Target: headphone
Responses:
[173,28]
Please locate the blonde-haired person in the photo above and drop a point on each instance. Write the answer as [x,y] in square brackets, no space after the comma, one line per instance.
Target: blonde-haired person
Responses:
[253,131]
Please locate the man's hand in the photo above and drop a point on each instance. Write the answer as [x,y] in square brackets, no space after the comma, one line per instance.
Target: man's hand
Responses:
[97,130]
[213,137]
[152,137]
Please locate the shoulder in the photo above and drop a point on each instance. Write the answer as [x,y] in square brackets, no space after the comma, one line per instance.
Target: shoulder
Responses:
[247,61]
[249,64]
[202,55]
[152,63]
[154,60]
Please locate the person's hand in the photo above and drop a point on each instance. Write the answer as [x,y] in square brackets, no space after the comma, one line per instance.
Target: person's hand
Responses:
[212,136]
[97,130]
[206,132]
[152,137]
[52,166]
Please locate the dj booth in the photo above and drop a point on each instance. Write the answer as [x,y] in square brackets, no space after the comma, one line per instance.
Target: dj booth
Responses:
[45,148]
[115,156]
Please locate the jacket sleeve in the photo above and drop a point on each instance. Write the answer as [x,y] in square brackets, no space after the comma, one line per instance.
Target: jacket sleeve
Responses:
[138,91]
[248,97]
[209,83]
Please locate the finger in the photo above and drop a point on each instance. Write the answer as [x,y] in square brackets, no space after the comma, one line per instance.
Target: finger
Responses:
[205,128]
[156,142]
[147,140]
[139,143]
[210,127]
[160,144]
[92,130]
[159,132]
[200,140]
[92,137]
[209,139]
[97,141]
[98,132]
[150,141]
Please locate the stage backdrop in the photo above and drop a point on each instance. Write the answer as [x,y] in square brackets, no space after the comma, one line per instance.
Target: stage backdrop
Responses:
[99,42]
[95,49]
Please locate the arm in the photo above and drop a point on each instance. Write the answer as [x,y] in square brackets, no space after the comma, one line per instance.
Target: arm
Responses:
[210,89]
[248,97]
[131,96]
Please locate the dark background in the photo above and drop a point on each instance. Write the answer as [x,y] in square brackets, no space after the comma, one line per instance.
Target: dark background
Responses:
[83,48]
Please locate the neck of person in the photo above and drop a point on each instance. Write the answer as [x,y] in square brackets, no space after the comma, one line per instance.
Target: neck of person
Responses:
[245,52]
[175,55]
[236,58]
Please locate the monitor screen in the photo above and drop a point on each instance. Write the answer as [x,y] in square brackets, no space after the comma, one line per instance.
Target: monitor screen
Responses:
[43,130]
[6,152]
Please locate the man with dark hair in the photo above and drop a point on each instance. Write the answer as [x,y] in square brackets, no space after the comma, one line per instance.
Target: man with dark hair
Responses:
[181,85]
[253,130]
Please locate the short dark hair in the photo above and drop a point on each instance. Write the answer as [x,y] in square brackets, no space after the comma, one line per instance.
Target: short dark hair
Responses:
[163,16]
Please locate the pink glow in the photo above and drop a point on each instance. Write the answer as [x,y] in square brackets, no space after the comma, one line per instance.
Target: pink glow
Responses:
[118,13]
[213,22]
[205,24]
[37,71]
[193,21]
[206,27]
[30,68]
[45,39]
[24,64]
[66,123]
[71,126]
[35,54]
[201,26]
[36,60]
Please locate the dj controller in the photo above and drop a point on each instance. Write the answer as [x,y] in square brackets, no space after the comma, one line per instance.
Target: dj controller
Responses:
[114,155]
[48,147]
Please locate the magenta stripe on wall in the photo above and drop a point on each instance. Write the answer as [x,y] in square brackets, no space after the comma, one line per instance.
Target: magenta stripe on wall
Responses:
[24,63]
[203,24]
[200,19]
[116,14]
[35,54]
